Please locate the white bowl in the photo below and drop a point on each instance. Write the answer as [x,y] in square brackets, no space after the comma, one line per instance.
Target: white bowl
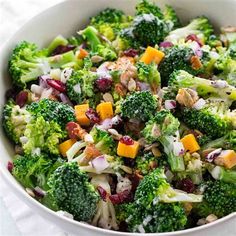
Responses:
[65,18]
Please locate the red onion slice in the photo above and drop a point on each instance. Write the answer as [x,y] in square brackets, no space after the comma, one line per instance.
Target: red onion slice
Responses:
[199,104]
[102,192]
[106,124]
[213,155]
[39,192]
[170,104]
[178,148]
[10,166]
[100,163]
[65,99]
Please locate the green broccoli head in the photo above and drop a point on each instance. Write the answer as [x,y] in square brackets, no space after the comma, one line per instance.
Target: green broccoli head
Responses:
[139,105]
[213,119]
[41,135]
[199,26]
[146,163]
[148,73]
[204,87]
[27,63]
[154,188]
[228,141]
[109,22]
[80,85]
[103,141]
[73,192]
[176,58]
[52,111]
[98,47]
[149,30]
[219,198]
[146,7]
[34,170]
[15,120]
[171,18]
[160,217]
[162,124]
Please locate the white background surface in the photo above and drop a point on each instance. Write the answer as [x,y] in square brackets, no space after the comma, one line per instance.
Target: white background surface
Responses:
[16,219]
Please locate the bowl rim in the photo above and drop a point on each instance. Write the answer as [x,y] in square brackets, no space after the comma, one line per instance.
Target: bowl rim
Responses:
[30,201]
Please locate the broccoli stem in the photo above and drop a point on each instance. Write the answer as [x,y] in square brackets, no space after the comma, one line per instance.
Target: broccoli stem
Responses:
[59,40]
[219,173]
[90,33]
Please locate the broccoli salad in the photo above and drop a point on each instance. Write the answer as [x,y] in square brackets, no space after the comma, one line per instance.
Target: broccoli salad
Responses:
[130,124]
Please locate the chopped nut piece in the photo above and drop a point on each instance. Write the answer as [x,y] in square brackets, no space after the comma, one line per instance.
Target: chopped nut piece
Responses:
[187,97]
[132,85]
[108,97]
[30,192]
[156,152]
[96,59]
[201,222]
[211,218]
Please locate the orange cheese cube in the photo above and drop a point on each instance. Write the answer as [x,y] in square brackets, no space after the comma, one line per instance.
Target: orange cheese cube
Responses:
[227,158]
[190,143]
[81,117]
[105,110]
[65,146]
[129,151]
[152,55]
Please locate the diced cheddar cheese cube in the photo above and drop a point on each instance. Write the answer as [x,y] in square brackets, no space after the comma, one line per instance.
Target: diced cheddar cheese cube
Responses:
[80,115]
[152,55]
[129,151]
[190,143]
[105,110]
[227,158]
[65,146]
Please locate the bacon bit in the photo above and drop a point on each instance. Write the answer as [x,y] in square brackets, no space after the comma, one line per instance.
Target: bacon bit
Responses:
[75,130]
[196,63]
[103,193]
[120,89]
[91,152]
[122,197]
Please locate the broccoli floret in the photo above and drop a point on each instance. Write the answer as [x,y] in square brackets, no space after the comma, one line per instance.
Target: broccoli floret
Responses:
[156,206]
[109,22]
[103,141]
[222,174]
[146,7]
[200,26]
[139,105]
[105,216]
[214,41]
[73,192]
[97,46]
[146,163]
[227,142]
[176,58]
[213,119]
[148,73]
[225,68]
[148,29]
[171,18]
[161,217]
[41,135]
[14,120]
[163,127]
[27,63]
[52,111]
[219,198]
[80,85]
[34,170]
[205,88]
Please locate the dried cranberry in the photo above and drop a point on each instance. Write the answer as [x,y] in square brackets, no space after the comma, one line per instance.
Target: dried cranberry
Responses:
[103,84]
[117,122]
[194,37]
[22,98]
[131,52]
[10,166]
[122,197]
[129,162]
[71,128]
[186,185]
[127,140]
[166,44]
[62,49]
[92,115]
[102,192]
[135,180]
[57,84]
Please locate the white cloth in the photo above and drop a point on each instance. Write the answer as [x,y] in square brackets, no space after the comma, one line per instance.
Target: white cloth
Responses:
[16,218]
